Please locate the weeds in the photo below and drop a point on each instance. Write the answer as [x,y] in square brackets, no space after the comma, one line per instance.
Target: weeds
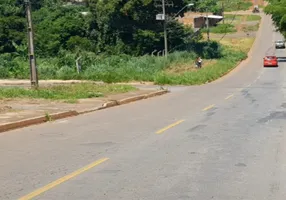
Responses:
[48,117]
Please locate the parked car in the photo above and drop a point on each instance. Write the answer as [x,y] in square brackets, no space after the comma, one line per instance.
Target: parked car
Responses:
[270,61]
[280,44]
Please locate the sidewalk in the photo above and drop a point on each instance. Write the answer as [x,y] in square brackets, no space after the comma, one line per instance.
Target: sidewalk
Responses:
[18,113]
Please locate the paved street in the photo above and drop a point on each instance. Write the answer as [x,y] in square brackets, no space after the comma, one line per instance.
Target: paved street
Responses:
[220,141]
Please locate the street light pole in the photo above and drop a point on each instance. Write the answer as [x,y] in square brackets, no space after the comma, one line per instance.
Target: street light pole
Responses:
[165,29]
[164,18]
[222,8]
[188,5]
[32,58]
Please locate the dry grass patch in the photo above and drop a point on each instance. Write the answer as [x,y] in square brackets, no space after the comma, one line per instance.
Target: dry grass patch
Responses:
[188,67]
[243,44]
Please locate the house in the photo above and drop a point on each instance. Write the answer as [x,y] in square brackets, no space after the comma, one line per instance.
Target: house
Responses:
[199,20]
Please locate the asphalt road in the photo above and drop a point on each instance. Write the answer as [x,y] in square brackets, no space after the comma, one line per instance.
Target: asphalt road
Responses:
[221,141]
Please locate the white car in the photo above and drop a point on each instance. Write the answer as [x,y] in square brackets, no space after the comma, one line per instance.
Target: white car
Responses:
[280,44]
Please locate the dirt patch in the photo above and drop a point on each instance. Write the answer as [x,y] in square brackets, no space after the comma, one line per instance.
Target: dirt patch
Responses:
[240,26]
[243,44]
[4,109]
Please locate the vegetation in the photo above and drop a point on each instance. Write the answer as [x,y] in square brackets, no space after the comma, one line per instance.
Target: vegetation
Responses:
[120,68]
[233,5]
[217,6]
[253,18]
[222,28]
[65,92]
[113,42]
[277,9]
[251,28]
[229,60]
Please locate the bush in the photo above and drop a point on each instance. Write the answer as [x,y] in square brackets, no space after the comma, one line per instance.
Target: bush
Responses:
[207,50]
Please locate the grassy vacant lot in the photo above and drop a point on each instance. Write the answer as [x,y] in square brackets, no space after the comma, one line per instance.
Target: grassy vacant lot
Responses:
[238,18]
[222,28]
[241,44]
[234,5]
[253,18]
[65,92]
[250,28]
[232,22]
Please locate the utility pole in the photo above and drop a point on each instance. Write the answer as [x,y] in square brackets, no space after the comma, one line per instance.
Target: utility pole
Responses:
[208,28]
[222,8]
[32,58]
[165,29]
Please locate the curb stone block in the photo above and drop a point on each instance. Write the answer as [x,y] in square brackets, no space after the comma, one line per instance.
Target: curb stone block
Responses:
[56,116]
[35,120]
[131,99]
[110,104]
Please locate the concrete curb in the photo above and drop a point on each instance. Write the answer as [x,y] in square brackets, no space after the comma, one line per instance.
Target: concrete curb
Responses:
[36,120]
[61,115]
[132,99]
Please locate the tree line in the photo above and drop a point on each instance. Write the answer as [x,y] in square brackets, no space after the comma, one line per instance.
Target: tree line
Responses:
[111,26]
[277,10]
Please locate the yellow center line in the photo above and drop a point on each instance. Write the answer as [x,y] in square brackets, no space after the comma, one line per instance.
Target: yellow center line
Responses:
[209,107]
[61,180]
[170,126]
[228,97]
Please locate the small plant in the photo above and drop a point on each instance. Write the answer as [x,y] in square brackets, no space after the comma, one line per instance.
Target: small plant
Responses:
[48,117]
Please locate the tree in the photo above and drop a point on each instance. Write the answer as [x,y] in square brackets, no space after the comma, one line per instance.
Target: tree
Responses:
[59,28]
[277,10]
[130,26]
[12,25]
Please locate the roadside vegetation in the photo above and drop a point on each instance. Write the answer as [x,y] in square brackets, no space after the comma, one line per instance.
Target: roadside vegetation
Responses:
[277,9]
[221,28]
[65,92]
[113,44]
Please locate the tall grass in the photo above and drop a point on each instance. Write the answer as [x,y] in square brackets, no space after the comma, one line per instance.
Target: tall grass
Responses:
[109,69]
[124,68]
[229,61]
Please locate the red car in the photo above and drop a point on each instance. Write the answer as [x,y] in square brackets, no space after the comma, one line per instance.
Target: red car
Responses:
[270,61]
